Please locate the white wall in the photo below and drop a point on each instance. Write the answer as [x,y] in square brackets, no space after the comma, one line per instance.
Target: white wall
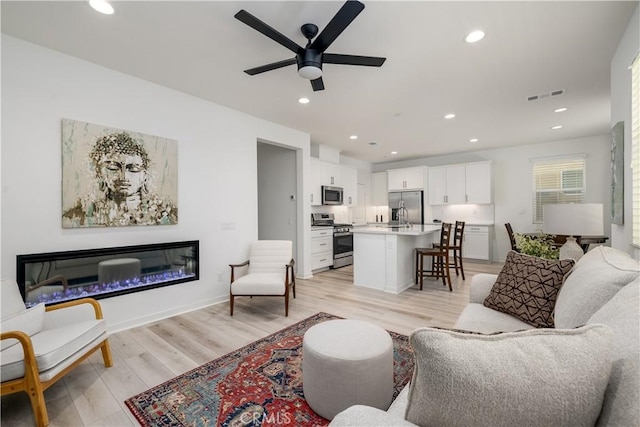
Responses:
[621,111]
[512,180]
[217,172]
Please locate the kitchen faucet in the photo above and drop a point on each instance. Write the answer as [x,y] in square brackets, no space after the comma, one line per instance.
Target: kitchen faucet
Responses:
[403,214]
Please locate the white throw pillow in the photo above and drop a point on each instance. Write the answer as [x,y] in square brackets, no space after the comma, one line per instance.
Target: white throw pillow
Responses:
[29,321]
[537,377]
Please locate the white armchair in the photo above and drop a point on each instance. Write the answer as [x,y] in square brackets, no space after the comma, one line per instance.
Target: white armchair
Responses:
[269,272]
[40,345]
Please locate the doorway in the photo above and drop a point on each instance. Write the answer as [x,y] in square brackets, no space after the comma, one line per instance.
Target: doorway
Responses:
[277,193]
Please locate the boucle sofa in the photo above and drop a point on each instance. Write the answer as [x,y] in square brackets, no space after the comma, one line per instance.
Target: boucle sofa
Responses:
[459,377]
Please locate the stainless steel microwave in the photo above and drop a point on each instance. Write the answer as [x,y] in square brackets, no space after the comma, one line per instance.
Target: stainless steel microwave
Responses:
[332,195]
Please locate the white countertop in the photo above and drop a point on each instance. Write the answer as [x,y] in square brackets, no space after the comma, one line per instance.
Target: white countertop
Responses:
[472,222]
[414,230]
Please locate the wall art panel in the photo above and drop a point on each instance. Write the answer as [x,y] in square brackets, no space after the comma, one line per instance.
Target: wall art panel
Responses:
[113,177]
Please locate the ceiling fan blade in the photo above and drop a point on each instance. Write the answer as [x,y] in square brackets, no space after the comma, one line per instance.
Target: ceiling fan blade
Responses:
[269,67]
[317,84]
[336,26]
[268,31]
[336,58]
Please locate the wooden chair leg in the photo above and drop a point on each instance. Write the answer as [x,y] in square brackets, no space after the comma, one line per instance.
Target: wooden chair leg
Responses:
[447,272]
[455,260]
[36,394]
[293,286]
[460,259]
[106,354]
[421,270]
[417,266]
[231,304]
[286,303]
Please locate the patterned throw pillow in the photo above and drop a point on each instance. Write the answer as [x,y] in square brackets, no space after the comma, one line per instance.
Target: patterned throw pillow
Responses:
[527,288]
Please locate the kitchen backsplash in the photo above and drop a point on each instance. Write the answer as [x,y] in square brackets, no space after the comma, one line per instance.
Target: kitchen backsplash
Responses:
[447,213]
[469,213]
[342,214]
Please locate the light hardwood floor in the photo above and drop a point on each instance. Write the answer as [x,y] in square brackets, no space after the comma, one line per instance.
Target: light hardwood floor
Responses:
[92,395]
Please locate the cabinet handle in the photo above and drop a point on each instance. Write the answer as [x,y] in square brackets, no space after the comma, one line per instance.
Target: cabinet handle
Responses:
[324,259]
[332,181]
[311,197]
[323,244]
[350,200]
[466,198]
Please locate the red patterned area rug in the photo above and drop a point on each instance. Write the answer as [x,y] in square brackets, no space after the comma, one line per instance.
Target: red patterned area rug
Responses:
[259,384]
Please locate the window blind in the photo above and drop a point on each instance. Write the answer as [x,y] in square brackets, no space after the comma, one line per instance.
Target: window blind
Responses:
[635,148]
[557,181]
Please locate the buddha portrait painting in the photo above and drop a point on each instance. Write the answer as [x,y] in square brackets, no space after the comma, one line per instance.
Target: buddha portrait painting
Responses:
[113,178]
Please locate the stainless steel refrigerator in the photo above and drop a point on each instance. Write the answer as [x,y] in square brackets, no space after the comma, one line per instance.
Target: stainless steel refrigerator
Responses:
[413,201]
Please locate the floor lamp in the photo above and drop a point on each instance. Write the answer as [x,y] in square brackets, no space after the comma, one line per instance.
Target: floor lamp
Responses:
[573,219]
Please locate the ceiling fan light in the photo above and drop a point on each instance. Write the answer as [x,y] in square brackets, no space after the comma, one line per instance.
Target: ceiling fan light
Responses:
[310,72]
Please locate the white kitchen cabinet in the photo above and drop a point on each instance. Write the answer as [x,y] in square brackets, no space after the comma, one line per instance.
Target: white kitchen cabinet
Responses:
[316,182]
[321,248]
[334,175]
[478,183]
[476,243]
[379,192]
[459,184]
[349,181]
[331,174]
[456,184]
[406,179]
[437,185]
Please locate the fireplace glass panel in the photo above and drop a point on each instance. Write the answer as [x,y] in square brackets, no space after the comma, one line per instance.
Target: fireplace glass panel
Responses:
[99,273]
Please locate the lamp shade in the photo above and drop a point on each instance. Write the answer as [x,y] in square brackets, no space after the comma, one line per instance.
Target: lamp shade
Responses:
[573,219]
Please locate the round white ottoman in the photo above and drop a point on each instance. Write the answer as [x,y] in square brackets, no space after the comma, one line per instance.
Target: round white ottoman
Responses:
[344,363]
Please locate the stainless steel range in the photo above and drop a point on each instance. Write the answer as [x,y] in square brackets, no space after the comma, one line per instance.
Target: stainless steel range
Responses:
[342,238]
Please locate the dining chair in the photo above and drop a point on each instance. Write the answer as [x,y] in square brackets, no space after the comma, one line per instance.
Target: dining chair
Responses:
[439,259]
[512,237]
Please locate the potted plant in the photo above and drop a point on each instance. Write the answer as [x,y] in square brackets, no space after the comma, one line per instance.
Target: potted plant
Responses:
[540,245]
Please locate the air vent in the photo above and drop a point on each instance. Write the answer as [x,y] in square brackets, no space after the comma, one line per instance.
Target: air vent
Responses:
[546,95]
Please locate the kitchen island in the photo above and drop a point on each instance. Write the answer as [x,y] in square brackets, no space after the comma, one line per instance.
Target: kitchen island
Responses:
[384,256]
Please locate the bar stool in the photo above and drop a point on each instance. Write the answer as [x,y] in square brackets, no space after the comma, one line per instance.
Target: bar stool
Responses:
[440,259]
[456,247]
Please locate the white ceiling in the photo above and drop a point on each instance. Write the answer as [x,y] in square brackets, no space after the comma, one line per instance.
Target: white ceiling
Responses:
[531,48]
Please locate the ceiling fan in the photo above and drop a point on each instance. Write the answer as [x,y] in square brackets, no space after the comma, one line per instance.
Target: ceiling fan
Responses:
[311,57]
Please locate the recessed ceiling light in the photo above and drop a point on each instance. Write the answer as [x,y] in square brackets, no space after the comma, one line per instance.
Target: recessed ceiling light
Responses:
[560,110]
[474,36]
[473,140]
[353,137]
[449,116]
[556,127]
[394,152]
[101,6]
[303,100]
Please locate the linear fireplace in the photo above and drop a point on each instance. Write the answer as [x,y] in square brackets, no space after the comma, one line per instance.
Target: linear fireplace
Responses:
[56,277]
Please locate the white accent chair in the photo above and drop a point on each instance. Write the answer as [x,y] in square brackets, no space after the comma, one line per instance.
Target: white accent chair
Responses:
[40,345]
[269,272]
